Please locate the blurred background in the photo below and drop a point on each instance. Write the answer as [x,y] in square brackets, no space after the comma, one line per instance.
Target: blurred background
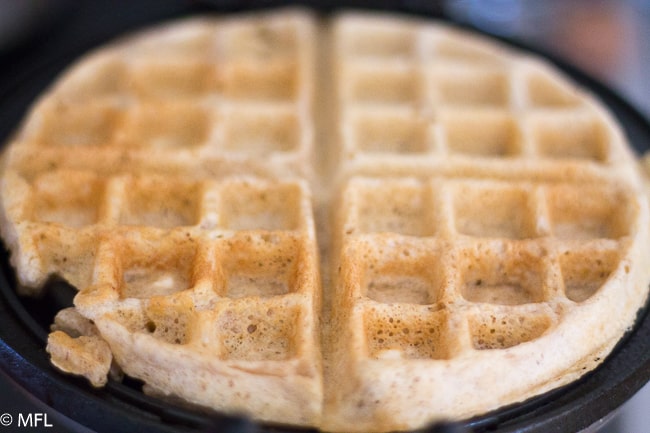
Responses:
[608,39]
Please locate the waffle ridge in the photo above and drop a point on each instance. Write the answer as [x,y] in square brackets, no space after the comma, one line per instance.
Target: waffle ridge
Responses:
[368,223]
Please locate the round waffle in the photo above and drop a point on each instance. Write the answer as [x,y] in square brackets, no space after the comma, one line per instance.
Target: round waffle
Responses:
[362,224]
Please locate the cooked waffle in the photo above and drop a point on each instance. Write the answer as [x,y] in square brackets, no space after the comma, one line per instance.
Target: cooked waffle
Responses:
[487,206]
[206,97]
[451,286]
[219,279]
[417,98]
[472,220]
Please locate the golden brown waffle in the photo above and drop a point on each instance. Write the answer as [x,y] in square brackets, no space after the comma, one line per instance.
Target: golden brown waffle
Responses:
[219,279]
[120,182]
[449,290]
[205,97]
[415,98]
[473,221]
[487,207]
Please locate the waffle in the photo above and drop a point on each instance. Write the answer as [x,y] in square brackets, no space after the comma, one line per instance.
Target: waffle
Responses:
[223,97]
[486,206]
[170,187]
[365,223]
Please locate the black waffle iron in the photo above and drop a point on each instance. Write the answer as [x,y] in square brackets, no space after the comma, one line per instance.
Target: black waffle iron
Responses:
[122,407]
